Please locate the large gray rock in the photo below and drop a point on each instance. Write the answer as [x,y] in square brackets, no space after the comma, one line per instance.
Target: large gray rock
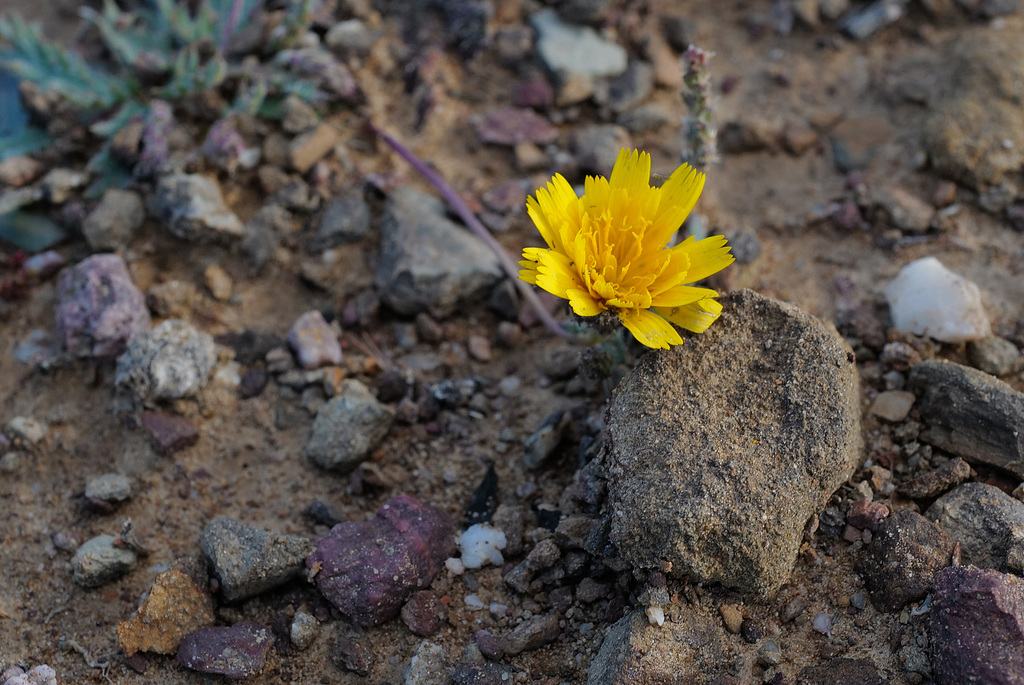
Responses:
[967,134]
[427,262]
[719,451]
[970,413]
[988,524]
[248,560]
[192,208]
[348,428]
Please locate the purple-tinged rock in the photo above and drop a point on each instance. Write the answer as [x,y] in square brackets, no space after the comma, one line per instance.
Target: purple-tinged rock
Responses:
[424,614]
[99,308]
[314,342]
[239,651]
[170,433]
[537,94]
[348,654]
[368,570]
[900,564]
[490,646]
[866,514]
[511,126]
[977,627]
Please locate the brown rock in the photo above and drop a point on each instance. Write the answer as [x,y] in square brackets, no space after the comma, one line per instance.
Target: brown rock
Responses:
[307,149]
[937,481]
[171,433]
[798,139]
[20,171]
[174,608]
[218,282]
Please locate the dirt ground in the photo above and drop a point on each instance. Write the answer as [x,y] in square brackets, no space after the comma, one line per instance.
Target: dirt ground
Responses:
[247,468]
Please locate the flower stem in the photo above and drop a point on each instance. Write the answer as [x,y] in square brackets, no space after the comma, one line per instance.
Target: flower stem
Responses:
[467,216]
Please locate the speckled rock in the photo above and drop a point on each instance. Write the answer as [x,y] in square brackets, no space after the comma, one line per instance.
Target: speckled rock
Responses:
[997,356]
[428,666]
[99,308]
[977,627]
[368,570]
[966,133]
[427,262]
[900,564]
[238,651]
[248,560]
[424,614]
[533,633]
[348,428]
[192,208]
[173,608]
[935,482]
[970,413]
[707,422]
[99,561]
[988,524]
[37,675]
[172,361]
[636,653]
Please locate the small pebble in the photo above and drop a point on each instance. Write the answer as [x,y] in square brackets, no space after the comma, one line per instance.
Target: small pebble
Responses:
[100,561]
[110,487]
[732,616]
[304,630]
[823,623]
[314,342]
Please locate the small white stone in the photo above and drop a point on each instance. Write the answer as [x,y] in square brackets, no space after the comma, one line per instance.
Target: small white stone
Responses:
[656,616]
[455,566]
[926,298]
[474,603]
[481,544]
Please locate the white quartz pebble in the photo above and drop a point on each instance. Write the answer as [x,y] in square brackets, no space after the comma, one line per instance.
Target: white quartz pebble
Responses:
[926,298]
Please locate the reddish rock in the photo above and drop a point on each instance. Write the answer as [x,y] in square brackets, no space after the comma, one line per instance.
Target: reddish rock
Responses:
[511,126]
[368,570]
[170,433]
[866,514]
[423,613]
[977,627]
[239,651]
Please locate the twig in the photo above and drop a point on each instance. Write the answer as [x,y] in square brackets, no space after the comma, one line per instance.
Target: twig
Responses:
[467,216]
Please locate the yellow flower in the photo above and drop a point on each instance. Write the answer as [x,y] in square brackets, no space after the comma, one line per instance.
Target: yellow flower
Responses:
[608,250]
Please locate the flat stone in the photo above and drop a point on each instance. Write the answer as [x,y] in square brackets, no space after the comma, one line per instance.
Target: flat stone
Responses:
[512,125]
[348,428]
[248,560]
[988,524]
[170,433]
[977,627]
[314,342]
[114,221]
[173,608]
[900,564]
[238,651]
[309,148]
[706,422]
[969,413]
[926,298]
[575,49]
[531,634]
[192,208]
[99,561]
[636,653]
[99,308]
[110,487]
[893,405]
[368,570]
[427,262]
[935,482]
[903,209]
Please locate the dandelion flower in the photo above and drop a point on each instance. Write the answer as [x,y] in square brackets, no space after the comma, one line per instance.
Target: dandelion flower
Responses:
[608,250]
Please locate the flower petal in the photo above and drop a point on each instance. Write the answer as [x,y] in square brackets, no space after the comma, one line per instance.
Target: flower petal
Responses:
[707,256]
[696,316]
[583,303]
[632,172]
[678,196]
[555,273]
[650,329]
[680,295]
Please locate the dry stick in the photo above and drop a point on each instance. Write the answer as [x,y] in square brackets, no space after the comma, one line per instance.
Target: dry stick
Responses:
[467,216]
